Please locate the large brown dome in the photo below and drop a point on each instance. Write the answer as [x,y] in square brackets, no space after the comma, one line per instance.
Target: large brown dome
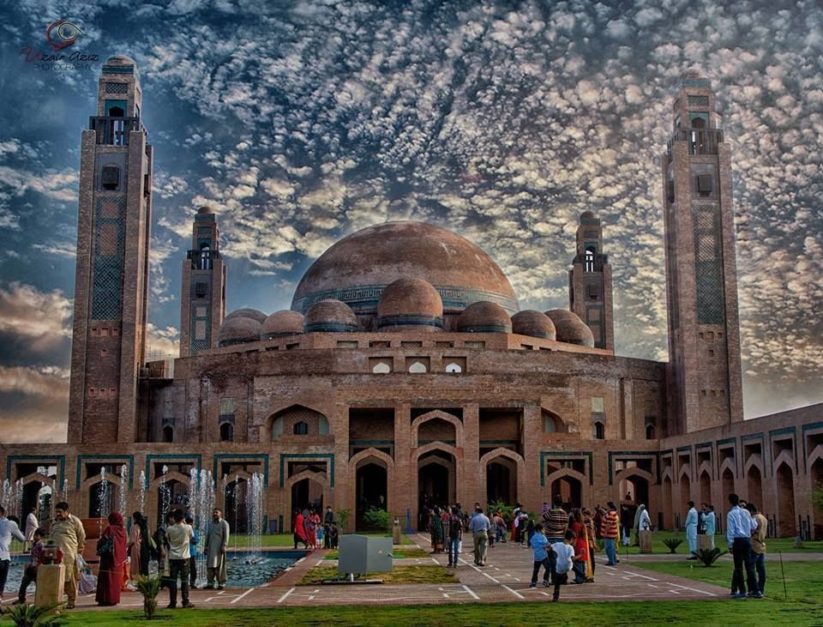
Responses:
[358,268]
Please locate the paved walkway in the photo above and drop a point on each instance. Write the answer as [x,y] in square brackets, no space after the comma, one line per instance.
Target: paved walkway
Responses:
[505,578]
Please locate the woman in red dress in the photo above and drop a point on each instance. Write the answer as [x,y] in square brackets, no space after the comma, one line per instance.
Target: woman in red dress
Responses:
[110,576]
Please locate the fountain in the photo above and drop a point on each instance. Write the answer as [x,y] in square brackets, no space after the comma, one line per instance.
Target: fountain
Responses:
[142,509]
[122,492]
[103,498]
[165,496]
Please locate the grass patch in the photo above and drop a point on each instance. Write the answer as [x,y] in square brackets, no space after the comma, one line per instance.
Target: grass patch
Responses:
[804,580]
[398,574]
[765,612]
[402,552]
[773,545]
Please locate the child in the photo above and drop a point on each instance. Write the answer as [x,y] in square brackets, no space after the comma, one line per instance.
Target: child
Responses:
[30,572]
[333,535]
[539,543]
[564,552]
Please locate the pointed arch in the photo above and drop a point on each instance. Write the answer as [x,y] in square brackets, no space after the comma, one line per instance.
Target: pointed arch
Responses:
[566,473]
[276,425]
[172,474]
[520,467]
[727,464]
[437,414]
[363,458]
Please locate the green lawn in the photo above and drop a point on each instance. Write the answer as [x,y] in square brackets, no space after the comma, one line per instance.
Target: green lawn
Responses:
[286,540]
[397,575]
[804,580]
[773,545]
[765,612]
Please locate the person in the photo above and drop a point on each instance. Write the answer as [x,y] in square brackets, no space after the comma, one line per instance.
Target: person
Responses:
[539,544]
[591,531]
[479,526]
[581,548]
[311,528]
[70,537]
[31,526]
[195,540]
[180,536]
[135,547]
[759,547]
[162,540]
[217,541]
[30,572]
[609,531]
[333,532]
[299,530]
[436,531]
[112,549]
[499,526]
[455,535]
[644,521]
[710,524]
[563,560]
[8,530]
[626,518]
[739,529]
[328,519]
[691,531]
[597,520]
[556,521]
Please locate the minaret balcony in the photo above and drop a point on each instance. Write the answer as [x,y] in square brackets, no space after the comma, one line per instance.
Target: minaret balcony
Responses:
[114,131]
[701,141]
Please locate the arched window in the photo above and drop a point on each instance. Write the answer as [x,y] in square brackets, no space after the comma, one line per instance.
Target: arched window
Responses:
[226,432]
[205,258]
[381,368]
[549,424]
[417,367]
[301,428]
[589,260]
[650,431]
[453,368]
[168,433]
[599,431]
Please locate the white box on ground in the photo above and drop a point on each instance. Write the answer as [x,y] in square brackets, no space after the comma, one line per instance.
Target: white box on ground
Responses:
[364,554]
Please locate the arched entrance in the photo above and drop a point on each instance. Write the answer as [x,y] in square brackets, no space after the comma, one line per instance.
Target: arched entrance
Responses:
[371,482]
[637,486]
[786,518]
[172,494]
[501,481]
[37,497]
[685,496]
[236,511]
[727,481]
[570,490]
[436,480]
[668,521]
[754,487]
[705,488]
[307,494]
[816,475]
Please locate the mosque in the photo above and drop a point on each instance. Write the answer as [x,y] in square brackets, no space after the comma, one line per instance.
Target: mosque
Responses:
[405,371]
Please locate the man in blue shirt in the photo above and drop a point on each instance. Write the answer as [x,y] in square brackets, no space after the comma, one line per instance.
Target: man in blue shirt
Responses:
[539,543]
[738,535]
[479,526]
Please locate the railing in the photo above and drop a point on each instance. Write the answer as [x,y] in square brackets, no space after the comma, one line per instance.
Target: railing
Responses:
[202,259]
[702,141]
[114,131]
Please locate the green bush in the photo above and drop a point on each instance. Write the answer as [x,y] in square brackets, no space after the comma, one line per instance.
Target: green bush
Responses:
[377,519]
[709,556]
[28,615]
[672,543]
[149,587]
[505,510]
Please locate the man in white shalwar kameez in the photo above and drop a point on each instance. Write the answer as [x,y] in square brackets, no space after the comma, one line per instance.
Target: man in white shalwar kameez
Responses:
[691,530]
[217,541]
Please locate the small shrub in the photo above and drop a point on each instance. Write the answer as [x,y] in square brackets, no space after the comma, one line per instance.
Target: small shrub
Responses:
[343,516]
[149,587]
[672,544]
[28,615]
[377,519]
[709,556]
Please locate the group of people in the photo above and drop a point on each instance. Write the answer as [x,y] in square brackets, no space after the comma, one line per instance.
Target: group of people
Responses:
[310,531]
[123,555]
[746,531]
[702,522]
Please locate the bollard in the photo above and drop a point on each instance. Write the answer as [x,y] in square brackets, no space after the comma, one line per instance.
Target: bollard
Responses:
[395,532]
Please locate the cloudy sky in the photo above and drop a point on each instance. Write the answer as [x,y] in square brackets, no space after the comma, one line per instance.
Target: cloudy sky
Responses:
[502,121]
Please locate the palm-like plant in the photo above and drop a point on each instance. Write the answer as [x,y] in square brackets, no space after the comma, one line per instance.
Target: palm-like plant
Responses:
[149,587]
[672,543]
[709,556]
[29,615]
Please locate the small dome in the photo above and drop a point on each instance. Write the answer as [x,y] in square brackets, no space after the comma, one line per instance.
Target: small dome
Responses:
[484,317]
[238,330]
[410,304]
[120,59]
[570,328]
[281,323]
[254,314]
[330,316]
[533,323]
[205,210]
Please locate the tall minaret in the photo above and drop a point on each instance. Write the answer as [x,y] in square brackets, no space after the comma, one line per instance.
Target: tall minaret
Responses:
[203,298]
[590,282]
[701,278]
[111,285]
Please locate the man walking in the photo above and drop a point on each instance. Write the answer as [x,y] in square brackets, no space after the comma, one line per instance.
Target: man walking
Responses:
[691,531]
[217,541]
[479,526]
[455,536]
[539,545]
[195,541]
[738,534]
[8,529]
[609,531]
[179,535]
[759,548]
[70,537]
[555,525]
[328,519]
